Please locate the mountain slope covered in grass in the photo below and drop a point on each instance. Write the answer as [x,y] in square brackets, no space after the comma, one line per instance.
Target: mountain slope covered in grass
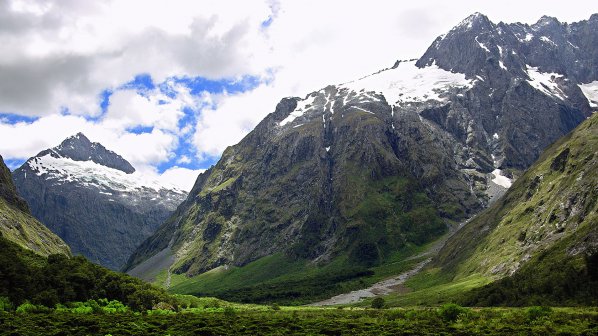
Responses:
[540,241]
[18,225]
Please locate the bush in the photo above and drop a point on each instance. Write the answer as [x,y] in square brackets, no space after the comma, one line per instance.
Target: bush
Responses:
[5,304]
[29,308]
[230,312]
[378,303]
[275,306]
[536,312]
[450,311]
[112,307]
[163,306]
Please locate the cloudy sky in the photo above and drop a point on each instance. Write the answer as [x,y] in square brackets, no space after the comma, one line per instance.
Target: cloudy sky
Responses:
[170,84]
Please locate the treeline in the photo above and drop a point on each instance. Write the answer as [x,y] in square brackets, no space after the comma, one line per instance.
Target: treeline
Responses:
[58,279]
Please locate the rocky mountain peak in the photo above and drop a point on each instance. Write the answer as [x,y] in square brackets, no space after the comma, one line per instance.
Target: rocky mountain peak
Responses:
[476,21]
[546,21]
[79,148]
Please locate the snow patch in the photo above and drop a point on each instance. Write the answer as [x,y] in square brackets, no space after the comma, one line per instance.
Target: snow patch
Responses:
[501,180]
[482,45]
[590,90]
[545,82]
[547,40]
[408,83]
[303,106]
[528,37]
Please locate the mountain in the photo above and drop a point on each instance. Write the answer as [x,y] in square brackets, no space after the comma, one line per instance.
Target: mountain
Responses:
[93,199]
[541,238]
[17,224]
[357,172]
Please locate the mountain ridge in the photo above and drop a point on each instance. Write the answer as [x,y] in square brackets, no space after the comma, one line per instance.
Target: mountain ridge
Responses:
[365,168]
[94,198]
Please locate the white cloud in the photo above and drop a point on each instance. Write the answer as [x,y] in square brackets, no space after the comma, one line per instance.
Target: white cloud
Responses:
[67,52]
[183,159]
[63,54]
[182,178]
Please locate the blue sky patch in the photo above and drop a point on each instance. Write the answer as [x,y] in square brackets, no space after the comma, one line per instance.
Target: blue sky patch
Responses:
[140,129]
[201,84]
[13,164]
[141,82]
[10,118]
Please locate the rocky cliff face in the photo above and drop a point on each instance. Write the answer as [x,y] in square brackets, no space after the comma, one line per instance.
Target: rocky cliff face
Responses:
[547,223]
[94,199]
[17,224]
[365,168]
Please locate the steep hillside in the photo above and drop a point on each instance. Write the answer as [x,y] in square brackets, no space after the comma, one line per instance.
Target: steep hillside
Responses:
[93,199]
[543,232]
[17,224]
[363,170]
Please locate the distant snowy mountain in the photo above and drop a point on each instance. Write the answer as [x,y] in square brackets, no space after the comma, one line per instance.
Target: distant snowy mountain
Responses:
[94,199]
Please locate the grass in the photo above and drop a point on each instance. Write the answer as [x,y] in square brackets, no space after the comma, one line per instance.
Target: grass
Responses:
[281,279]
[434,294]
[241,320]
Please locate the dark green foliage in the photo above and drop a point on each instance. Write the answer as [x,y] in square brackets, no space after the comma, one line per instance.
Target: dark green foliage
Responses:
[5,304]
[291,292]
[393,213]
[25,276]
[303,322]
[378,303]
[451,312]
[551,279]
[536,312]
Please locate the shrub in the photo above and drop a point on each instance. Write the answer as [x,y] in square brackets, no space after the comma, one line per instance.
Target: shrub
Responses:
[160,312]
[112,307]
[275,306]
[378,303]
[230,312]
[536,312]
[451,311]
[163,306]
[29,308]
[5,304]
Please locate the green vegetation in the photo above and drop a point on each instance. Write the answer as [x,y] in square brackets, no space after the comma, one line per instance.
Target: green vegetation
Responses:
[28,280]
[285,280]
[535,246]
[550,278]
[248,320]
[21,228]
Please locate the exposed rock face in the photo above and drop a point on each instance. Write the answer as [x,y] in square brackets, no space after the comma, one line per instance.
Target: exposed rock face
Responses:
[364,168]
[17,224]
[94,199]
[552,209]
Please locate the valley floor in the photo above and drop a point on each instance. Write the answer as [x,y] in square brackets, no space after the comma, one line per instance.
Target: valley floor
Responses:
[446,320]
[393,284]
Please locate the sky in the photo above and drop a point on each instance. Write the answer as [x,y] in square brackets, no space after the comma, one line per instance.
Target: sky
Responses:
[170,84]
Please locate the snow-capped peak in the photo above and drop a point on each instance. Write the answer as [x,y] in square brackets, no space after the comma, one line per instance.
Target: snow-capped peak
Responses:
[63,170]
[79,148]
